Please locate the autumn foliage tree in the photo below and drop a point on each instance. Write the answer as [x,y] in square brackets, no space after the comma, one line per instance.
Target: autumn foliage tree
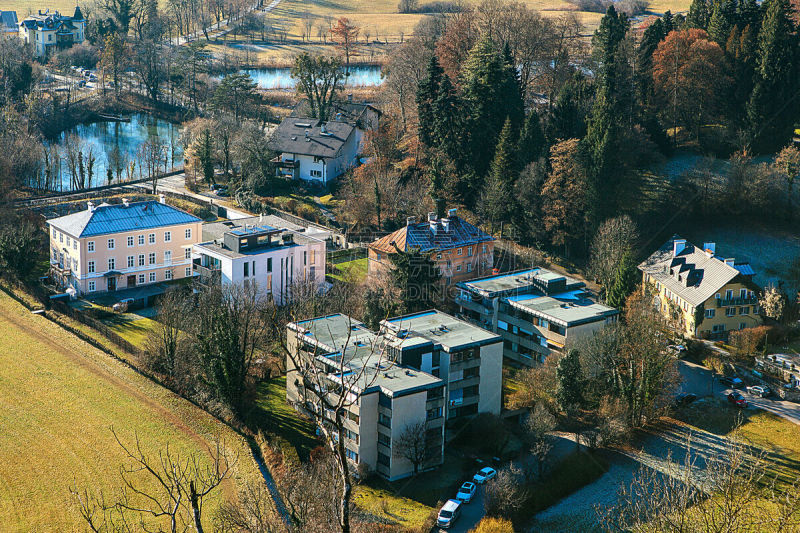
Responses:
[688,77]
[345,34]
[564,193]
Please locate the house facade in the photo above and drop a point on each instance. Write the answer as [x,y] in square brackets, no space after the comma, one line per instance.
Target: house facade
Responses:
[701,294]
[314,151]
[364,116]
[47,32]
[460,250]
[423,369]
[252,251]
[121,246]
[536,311]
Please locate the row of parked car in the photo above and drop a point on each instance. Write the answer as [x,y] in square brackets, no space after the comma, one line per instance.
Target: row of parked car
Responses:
[735,397]
[451,510]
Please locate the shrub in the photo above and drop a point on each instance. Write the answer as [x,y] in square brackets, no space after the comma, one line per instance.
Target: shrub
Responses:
[494,525]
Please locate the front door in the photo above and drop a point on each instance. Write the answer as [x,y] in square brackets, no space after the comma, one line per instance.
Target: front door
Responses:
[112,284]
[131,281]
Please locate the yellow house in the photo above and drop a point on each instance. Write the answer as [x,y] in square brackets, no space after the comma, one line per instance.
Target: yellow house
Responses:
[703,295]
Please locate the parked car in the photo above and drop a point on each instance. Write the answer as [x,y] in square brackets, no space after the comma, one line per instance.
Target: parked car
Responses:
[466,492]
[448,513]
[679,349]
[737,399]
[484,475]
[222,192]
[684,398]
[732,381]
[762,391]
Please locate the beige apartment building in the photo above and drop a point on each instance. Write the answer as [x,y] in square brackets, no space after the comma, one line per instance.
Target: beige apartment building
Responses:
[428,368]
[111,247]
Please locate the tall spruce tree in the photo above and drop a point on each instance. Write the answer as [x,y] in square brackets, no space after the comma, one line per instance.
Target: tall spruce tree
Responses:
[427,92]
[748,12]
[771,110]
[532,143]
[497,200]
[699,15]
[624,282]
[415,276]
[668,21]
[719,26]
[447,129]
[652,36]
[569,381]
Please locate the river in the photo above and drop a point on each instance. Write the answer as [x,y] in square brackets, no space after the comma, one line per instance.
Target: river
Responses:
[100,138]
[281,78]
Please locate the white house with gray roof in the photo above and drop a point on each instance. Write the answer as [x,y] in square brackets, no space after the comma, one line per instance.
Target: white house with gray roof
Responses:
[46,31]
[314,151]
[536,311]
[427,367]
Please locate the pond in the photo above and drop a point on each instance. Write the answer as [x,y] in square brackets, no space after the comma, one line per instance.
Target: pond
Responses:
[100,138]
[281,78]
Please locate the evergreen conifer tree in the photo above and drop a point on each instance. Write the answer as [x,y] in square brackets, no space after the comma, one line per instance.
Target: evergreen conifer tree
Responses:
[719,27]
[699,15]
[447,129]
[668,21]
[427,92]
[624,282]
[497,201]
[771,110]
[569,381]
[532,143]
[416,277]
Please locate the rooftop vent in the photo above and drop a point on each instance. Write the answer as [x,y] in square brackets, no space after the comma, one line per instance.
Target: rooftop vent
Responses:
[730,261]
[90,205]
[308,139]
[302,124]
[162,199]
[710,248]
[410,221]
[451,212]
[323,130]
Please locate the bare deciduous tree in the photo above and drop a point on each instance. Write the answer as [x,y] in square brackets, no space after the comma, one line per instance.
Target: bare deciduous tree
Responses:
[506,495]
[411,444]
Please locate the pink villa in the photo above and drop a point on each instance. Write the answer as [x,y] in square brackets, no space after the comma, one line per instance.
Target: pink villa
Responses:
[121,246]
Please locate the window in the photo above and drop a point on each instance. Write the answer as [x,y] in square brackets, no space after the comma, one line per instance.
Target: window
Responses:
[729,294]
[152,277]
[469,251]
[130,241]
[316,173]
[383,459]
[131,261]
[438,256]
[61,237]
[55,254]
[484,248]
[91,286]
[269,283]
[269,266]
[90,246]
[167,236]
[755,309]
[351,435]
[141,278]
[67,241]
[744,310]
[742,325]
[383,439]
[188,272]
[55,233]
[168,256]
[743,293]
[709,313]
[305,258]
[353,456]
[458,268]
[246,269]
[168,274]
[141,240]
[188,233]
[730,311]
[378,257]
[111,263]
[433,413]
[110,244]
[151,258]
[384,401]
[90,267]
[313,258]
[187,253]
[384,420]
[74,244]
[141,260]
[460,251]
[469,267]
[151,238]
[352,416]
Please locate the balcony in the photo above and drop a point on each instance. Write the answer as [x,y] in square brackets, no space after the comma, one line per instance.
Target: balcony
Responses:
[725,302]
[208,275]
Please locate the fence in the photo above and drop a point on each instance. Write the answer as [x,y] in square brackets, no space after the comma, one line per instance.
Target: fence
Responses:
[343,256]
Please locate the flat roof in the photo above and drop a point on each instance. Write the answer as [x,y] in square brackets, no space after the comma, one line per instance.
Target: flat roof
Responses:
[569,308]
[339,334]
[516,281]
[440,328]
[215,230]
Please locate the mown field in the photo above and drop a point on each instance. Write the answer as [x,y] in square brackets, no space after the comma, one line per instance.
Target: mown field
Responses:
[59,399]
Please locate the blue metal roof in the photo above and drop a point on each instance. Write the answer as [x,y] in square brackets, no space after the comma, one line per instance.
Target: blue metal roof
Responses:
[108,219]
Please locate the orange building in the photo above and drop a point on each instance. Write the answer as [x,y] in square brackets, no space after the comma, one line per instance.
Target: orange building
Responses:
[460,250]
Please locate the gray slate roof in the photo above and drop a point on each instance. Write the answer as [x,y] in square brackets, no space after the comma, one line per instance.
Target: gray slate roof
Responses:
[692,274]
[117,218]
[8,20]
[290,137]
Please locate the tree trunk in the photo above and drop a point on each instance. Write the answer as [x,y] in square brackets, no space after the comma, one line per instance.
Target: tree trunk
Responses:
[198,525]
[347,489]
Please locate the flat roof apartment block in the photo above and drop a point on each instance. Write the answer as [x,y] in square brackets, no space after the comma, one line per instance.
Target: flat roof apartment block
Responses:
[536,311]
[426,368]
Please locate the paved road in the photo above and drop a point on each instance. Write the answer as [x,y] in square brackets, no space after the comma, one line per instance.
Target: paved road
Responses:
[177,184]
[698,380]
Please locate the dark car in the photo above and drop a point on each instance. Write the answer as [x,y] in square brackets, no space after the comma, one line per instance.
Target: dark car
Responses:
[732,381]
[737,399]
[685,398]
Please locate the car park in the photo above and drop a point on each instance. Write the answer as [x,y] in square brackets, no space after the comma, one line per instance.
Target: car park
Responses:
[732,381]
[466,492]
[448,514]
[737,399]
[484,475]
[762,391]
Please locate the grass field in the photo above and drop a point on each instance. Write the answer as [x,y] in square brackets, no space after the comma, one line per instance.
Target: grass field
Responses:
[59,398]
[352,271]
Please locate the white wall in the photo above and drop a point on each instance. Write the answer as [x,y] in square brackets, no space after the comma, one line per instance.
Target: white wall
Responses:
[491,384]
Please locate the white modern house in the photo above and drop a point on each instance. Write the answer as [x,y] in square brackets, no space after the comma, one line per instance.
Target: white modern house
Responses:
[47,31]
[313,150]
[251,251]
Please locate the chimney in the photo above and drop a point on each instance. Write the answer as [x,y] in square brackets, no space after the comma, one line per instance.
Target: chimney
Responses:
[410,221]
[432,222]
[322,128]
[91,207]
[162,199]
[730,261]
[451,213]
[710,248]
[677,246]
[307,139]
[125,202]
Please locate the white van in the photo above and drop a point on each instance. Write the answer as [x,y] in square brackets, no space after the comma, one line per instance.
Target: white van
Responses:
[448,513]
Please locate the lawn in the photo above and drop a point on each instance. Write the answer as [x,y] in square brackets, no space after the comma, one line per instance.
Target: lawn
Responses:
[60,398]
[131,327]
[352,271]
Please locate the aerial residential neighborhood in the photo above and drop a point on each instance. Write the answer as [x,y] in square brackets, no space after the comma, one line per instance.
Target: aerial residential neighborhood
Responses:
[479,266]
